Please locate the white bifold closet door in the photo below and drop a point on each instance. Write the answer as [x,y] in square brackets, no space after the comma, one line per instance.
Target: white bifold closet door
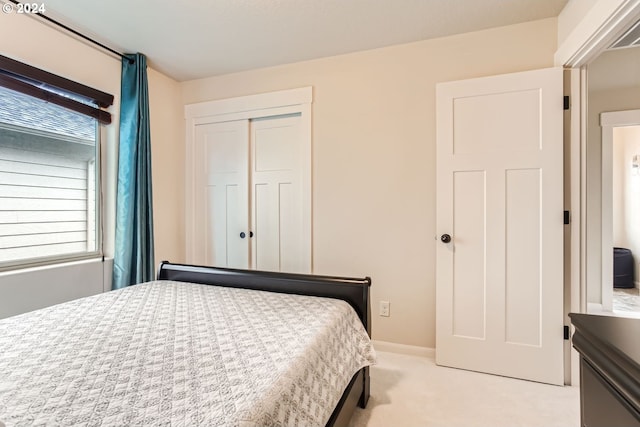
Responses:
[250,207]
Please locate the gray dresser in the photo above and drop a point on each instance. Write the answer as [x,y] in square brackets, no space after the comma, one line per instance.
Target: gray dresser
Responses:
[609,350]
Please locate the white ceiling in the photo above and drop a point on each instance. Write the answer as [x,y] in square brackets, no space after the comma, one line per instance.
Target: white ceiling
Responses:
[201,38]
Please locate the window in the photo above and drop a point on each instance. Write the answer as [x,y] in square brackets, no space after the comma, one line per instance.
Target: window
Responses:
[49,174]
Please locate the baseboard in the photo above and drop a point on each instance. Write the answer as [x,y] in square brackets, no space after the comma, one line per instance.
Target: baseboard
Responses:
[412,350]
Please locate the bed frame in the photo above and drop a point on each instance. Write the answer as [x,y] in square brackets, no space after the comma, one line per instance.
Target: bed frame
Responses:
[355,291]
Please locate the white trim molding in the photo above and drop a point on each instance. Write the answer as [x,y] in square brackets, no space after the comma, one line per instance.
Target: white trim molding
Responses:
[601,26]
[411,350]
[250,103]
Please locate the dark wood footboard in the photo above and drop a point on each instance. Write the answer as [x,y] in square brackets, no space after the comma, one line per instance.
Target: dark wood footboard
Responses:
[609,369]
[354,291]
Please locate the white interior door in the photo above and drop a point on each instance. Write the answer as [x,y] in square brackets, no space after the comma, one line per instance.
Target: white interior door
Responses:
[499,281]
[222,150]
[277,195]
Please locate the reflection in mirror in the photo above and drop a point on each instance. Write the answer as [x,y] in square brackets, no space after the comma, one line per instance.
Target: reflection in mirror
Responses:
[613,182]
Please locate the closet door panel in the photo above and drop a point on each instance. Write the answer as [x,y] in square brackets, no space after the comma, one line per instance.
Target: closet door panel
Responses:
[266,241]
[277,194]
[223,150]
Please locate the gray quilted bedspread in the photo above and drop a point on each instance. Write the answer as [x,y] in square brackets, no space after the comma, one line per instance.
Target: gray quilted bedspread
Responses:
[167,353]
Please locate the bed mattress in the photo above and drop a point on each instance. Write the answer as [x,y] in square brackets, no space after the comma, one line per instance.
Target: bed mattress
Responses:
[180,354]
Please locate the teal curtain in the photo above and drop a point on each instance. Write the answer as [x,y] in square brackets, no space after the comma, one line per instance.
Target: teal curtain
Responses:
[133,259]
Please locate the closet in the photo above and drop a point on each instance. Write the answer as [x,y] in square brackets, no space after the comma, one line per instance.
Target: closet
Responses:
[249,187]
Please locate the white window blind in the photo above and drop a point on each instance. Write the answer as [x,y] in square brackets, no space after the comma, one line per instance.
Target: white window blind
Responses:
[48,180]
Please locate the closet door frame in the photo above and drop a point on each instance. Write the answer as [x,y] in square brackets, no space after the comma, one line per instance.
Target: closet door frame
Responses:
[292,101]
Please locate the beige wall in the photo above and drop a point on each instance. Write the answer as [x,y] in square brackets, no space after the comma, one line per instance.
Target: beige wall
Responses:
[374,156]
[167,151]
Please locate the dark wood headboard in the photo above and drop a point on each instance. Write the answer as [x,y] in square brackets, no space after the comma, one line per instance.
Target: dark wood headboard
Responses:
[355,291]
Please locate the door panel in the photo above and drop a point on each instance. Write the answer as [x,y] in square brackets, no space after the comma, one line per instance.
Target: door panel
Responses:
[290,226]
[223,150]
[469,310]
[266,228]
[474,122]
[277,195]
[499,282]
[522,231]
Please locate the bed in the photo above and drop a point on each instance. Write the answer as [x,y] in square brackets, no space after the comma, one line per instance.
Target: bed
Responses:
[253,349]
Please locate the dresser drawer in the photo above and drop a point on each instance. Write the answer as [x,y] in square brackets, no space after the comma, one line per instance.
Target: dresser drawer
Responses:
[601,404]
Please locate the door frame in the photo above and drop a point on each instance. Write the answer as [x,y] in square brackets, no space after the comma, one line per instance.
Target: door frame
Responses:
[291,101]
[597,29]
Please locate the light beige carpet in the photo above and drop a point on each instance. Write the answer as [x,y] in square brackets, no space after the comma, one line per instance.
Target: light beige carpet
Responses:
[412,391]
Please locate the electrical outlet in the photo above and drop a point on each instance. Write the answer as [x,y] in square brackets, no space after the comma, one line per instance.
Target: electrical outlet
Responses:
[384,308]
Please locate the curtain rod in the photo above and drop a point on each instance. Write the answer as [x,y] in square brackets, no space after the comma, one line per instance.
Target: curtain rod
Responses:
[77,33]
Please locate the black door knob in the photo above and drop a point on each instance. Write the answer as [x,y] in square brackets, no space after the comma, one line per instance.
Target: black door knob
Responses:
[242,235]
[445,238]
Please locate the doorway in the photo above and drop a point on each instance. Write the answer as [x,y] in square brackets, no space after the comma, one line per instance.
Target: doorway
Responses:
[613,98]
[625,193]
[620,212]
